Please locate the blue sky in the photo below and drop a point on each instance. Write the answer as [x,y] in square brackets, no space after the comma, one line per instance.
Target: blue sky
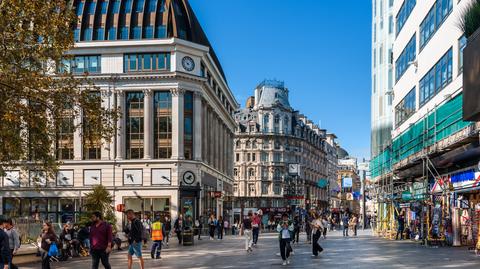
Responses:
[321,49]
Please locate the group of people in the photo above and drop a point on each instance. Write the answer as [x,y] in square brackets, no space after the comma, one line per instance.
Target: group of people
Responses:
[288,230]
[9,243]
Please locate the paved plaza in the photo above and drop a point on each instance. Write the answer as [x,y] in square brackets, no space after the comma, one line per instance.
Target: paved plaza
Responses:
[364,251]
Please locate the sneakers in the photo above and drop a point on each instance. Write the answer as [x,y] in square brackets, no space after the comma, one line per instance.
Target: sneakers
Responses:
[288,261]
[284,263]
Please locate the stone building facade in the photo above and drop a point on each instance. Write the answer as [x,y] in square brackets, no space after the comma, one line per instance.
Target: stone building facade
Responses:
[280,155]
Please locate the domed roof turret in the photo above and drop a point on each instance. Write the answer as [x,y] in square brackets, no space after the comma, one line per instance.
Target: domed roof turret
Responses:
[273,93]
[104,20]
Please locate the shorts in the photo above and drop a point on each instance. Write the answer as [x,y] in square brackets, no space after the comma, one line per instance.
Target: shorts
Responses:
[135,249]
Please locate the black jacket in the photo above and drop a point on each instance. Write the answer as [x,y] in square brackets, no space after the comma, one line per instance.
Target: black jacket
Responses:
[4,247]
[134,231]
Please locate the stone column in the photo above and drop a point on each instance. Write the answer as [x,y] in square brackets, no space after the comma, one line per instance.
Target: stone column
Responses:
[197,130]
[177,123]
[121,125]
[107,147]
[148,124]
[77,136]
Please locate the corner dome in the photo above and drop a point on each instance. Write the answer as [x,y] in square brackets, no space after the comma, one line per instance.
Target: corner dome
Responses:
[114,20]
[273,94]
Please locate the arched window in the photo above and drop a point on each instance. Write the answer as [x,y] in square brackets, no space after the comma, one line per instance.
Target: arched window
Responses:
[251,172]
[247,144]
[237,144]
[235,172]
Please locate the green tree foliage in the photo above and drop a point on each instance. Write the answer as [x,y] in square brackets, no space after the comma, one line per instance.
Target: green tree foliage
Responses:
[100,200]
[35,37]
[470,18]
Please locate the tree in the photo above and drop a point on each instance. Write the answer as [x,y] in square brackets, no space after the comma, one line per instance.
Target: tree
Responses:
[37,103]
[100,200]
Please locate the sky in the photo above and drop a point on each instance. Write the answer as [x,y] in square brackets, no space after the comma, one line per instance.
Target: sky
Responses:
[321,50]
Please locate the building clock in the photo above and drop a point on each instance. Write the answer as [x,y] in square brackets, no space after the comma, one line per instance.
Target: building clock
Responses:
[188,63]
[188,178]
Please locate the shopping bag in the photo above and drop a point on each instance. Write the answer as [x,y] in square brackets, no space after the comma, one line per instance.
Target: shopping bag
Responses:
[53,250]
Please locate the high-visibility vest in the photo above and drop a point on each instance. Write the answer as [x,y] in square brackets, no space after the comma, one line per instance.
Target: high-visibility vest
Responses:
[157,231]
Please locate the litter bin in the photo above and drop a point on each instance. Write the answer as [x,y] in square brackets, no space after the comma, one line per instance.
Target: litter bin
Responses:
[188,237]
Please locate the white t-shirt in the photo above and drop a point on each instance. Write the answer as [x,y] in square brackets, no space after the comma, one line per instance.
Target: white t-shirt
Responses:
[285,234]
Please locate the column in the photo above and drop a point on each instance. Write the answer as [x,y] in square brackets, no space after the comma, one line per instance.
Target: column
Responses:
[197,130]
[77,136]
[148,124]
[177,123]
[121,122]
[107,147]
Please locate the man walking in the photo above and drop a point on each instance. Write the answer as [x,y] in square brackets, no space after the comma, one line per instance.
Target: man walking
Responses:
[158,232]
[401,226]
[5,256]
[13,239]
[134,232]
[285,233]
[345,223]
[247,231]
[101,239]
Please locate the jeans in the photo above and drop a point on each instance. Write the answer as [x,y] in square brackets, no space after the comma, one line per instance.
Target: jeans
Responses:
[345,230]
[211,231]
[255,231]
[316,248]
[220,233]
[156,249]
[355,230]
[248,239]
[285,248]
[45,260]
[179,236]
[98,255]
[296,236]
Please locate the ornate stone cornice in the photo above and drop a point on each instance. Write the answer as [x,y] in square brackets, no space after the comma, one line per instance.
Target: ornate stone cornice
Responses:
[148,92]
[177,91]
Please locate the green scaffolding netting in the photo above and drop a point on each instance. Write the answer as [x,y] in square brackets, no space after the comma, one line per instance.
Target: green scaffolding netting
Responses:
[439,124]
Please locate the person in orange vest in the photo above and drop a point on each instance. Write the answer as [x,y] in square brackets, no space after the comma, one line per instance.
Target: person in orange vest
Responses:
[158,232]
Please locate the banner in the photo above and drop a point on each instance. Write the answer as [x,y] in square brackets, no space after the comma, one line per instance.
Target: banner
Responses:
[347,182]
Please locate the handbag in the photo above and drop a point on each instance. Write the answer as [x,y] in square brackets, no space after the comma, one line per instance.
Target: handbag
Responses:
[53,250]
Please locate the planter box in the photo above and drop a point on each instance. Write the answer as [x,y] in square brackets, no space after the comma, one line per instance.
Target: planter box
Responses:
[471,78]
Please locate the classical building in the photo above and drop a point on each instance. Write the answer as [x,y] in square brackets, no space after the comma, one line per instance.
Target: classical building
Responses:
[280,155]
[173,151]
[349,181]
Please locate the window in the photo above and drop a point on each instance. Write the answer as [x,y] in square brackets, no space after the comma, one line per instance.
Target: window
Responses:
[380,54]
[91,8]
[405,108]
[79,8]
[235,172]
[434,19]
[248,157]
[188,125]
[237,157]
[99,34]
[437,78]
[151,6]
[148,31]
[277,157]
[254,144]
[65,128]
[163,125]
[264,188]
[135,128]
[462,42]
[161,31]
[91,141]
[266,121]
[264,157]
[87,34]
[390,24]
[404,13]
[277,189]
[254,157]
[81,64]
[146,62]
[408,55]
[112,33]
[104,6]
[251,172]
[139,5]
[137,32]
[124,32]
[128,6]
[116,6]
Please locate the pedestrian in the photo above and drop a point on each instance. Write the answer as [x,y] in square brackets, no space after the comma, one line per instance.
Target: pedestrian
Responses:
[246,230]
[178,226]
[255,228]
[234,227]
[158,233]
[285,234]
[212,224]
[134,232]
[325,226]
[13,240]
[48,239]
[226,226]
[354,224]
[296,231]
[401,226]
[220,228]
[5,251]
[199,225]
[168,229]
[317,229]
[84,237]
[147,226]
[101,239]
[345,223]
[308,228]
[117,241]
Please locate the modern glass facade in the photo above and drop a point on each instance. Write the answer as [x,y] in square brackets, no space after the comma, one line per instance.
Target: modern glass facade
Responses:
[434,19]
[407,56]
[404,13]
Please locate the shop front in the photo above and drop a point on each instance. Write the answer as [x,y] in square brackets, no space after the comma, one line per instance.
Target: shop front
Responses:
[148,207]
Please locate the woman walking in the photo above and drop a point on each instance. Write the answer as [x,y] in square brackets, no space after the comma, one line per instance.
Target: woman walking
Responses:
[317,229]
[48,238]
[211,226]
[285,231]
[220,228]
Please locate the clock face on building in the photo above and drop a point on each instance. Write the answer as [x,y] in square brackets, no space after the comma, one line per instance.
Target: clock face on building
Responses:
[189,178]
[188,63]
[293,168]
